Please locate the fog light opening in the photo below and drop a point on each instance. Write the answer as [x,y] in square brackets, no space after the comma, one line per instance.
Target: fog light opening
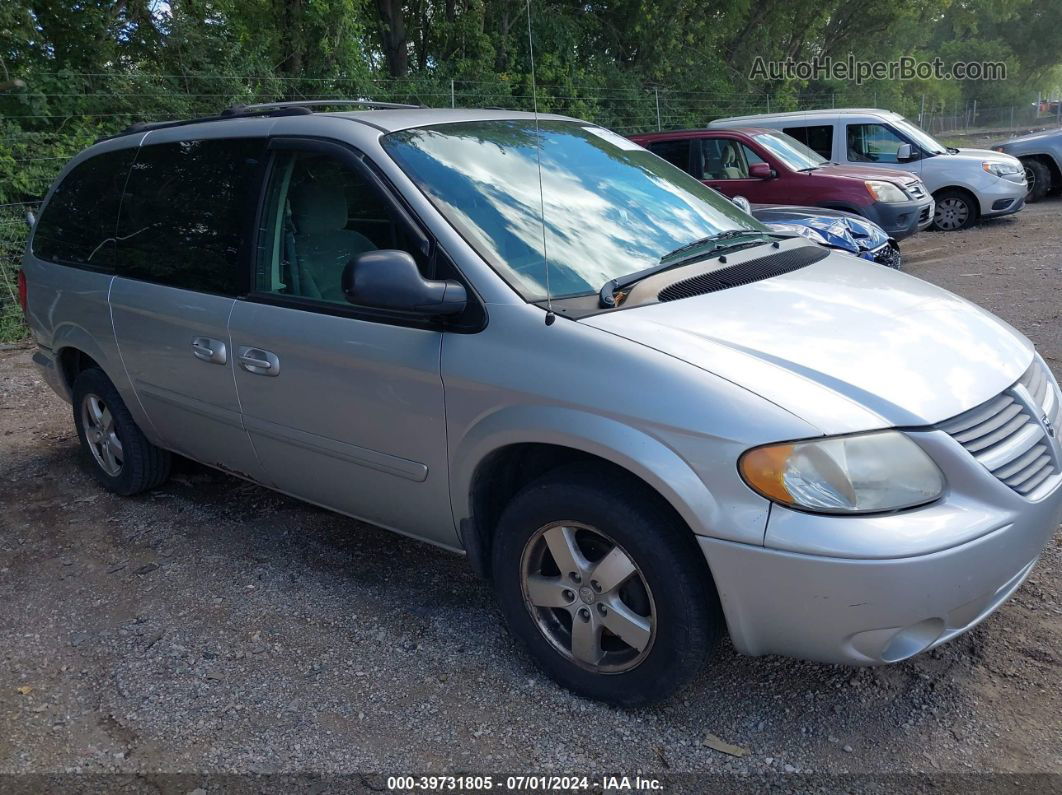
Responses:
[912,640]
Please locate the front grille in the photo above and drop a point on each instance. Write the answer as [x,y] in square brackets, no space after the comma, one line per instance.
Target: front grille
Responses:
[1013,435]
[889,256]
[753,270]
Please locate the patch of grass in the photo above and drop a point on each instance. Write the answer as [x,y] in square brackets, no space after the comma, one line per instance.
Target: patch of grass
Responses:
[13,233]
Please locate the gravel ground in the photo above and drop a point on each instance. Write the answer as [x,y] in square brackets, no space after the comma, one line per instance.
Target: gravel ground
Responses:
[214,626]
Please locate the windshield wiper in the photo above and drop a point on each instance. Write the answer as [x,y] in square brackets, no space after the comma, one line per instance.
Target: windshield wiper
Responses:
[682,255]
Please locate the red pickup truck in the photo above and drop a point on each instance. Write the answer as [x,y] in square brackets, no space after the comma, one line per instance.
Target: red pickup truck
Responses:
[770,167]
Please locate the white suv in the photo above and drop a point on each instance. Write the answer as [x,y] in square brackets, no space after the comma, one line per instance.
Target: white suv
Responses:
[967,183]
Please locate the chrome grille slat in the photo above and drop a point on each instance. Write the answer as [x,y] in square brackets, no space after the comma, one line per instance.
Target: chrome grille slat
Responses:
[982,435]
[977,416]
[1012,469]
[1028,486]
[1001,434]
[1011,434]
[1007,451]
[1035,467]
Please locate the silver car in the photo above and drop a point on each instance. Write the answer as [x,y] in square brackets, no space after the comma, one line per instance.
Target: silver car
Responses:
[530,341]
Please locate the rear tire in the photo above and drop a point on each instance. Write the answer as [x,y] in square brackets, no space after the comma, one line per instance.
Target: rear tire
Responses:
[1039,178]
[112,446]
[955,210]
[624,611]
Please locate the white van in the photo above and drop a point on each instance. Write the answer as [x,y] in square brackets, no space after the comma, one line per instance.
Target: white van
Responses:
[967,184]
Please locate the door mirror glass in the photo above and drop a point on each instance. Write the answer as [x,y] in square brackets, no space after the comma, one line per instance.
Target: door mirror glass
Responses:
[904,152]
[389,279]
[760,171]
[743,203]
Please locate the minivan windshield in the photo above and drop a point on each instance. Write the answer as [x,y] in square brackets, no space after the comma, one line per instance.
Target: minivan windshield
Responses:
[790,151]
[924,140]
[610,207]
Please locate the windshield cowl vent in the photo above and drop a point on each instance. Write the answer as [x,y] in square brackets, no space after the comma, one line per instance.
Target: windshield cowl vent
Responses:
[753,270]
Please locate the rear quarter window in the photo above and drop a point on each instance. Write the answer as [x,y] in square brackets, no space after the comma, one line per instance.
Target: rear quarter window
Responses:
[77,226]
[187,212]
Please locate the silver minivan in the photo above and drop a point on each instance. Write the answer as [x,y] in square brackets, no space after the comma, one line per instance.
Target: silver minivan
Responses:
[643,416]
[967,184]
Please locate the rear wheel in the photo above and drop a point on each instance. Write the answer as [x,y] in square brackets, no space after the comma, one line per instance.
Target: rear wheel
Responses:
[955,210]
[606,588]
[1038,176]
[119,455]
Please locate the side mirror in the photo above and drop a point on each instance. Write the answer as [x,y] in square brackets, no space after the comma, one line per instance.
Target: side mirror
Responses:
[761,171]
[743,203]
[904,152]
[389,279]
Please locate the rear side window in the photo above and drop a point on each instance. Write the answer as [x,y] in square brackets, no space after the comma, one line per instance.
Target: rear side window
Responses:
[186,211]
[677,153]
[77,225]
[818,137]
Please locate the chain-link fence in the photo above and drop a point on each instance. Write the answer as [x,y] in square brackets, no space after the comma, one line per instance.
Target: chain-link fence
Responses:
[43,126]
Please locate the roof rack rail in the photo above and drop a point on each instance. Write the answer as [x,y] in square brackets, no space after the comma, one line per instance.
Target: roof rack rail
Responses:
[309,103]
[299,107]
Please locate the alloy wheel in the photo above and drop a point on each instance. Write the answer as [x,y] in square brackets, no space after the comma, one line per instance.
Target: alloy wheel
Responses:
[1030,179]
[101,435]
[951,214]
[588,597]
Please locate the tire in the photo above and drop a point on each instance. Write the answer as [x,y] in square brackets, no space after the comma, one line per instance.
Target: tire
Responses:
[1039,178]
[120,457]
[955,210]
[667,605]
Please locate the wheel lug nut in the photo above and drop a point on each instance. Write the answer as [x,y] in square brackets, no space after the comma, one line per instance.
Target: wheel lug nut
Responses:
[595,585]
[584,614]
[602,609]
[569,595]
[574,576]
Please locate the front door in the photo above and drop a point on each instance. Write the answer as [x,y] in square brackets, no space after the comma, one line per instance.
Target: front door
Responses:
[181,243]
[877,145]
[344,406]
[723,163]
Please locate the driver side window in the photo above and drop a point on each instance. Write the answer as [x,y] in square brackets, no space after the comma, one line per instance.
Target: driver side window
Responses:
[319,215]
[872,143]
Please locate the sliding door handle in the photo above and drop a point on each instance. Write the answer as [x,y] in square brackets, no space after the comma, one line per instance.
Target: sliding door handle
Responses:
[210,350]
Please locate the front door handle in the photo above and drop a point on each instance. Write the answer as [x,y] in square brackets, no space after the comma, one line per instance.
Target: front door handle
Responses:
[259,362]
[210,350]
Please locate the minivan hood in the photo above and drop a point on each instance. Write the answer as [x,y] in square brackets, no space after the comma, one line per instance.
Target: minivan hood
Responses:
[844,344]
[981,155]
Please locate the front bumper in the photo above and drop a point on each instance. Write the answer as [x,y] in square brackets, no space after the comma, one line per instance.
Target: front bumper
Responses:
[998,196]
[901,219]
[879,589]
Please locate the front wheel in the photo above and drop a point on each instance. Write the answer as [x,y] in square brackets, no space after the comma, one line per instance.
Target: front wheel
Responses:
[1038,177]
[605,586]
[955,210]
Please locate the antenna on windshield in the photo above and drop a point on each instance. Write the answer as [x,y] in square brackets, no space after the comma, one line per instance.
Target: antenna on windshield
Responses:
[550,317]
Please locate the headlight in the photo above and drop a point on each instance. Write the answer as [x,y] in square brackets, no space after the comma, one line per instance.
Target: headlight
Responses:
[885,191]
[1002,168]
[865,473]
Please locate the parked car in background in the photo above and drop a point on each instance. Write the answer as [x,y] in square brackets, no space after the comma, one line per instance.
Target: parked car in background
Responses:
[525,339]
[769,167]
[835,229]
[1041,155]
[967,184]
